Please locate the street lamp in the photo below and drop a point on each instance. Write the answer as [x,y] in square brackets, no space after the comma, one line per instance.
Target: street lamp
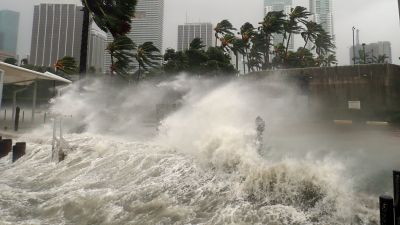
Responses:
[354,49]
[363,44]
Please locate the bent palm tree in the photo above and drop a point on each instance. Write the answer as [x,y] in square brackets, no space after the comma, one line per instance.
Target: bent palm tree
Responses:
[272,24]
[121,53]
[223,28]
[323,44]
[247,33]
[237,46]
[297,15]
[147,55]
[67,65]
[196,44]
[311,32]
[114,16]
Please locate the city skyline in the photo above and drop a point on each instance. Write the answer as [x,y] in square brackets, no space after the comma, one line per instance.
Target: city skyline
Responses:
[347,14]
[373,51]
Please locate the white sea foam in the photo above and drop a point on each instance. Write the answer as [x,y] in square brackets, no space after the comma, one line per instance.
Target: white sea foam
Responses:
[200,166]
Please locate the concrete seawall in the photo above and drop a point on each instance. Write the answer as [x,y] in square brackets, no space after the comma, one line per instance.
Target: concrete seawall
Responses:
[364,92]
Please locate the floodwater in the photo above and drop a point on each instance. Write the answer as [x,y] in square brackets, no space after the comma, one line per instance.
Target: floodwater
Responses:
[201,164]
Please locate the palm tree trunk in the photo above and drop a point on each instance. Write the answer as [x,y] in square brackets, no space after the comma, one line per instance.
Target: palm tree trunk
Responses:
[237,62]
[84,43]
[112,65]
[244,62]
[266,53]
[287,45]
[247,56]
[305,45]
[138,76]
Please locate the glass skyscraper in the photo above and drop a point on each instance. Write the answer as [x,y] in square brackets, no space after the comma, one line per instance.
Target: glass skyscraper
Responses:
[9,23]
[322,13]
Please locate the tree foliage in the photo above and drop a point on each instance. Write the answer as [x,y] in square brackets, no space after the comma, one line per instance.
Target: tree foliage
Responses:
[67,65]
[115,17]
[11,61]
[195,60]
[256,45]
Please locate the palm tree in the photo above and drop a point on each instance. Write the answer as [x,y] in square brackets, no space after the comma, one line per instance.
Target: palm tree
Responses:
[223,28]
[67,65]
[330,60]
[323,43]
[255,61]
[147,55]
[297,15]
[121,53]
[382,58]
[311,32]
[247,32]
[196,44]
[272,24]
[114,16]
[237,47]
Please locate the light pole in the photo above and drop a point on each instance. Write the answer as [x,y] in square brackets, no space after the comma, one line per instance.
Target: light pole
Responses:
[365,62]
[354,50]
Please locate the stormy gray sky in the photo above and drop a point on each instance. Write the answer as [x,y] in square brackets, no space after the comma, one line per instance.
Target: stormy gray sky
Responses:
[377,20]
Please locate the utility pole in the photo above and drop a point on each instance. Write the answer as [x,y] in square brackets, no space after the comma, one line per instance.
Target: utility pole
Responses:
[354,48]
[365,58]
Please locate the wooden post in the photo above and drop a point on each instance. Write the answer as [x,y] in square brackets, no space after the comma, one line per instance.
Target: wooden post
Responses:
[44,117]
[396,190]
[386,210]
[5,147]
[18,150]
[5,114]
[16,123]
[23,116]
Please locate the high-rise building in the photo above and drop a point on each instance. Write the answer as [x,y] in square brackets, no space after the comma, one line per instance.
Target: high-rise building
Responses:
[9,23]
[190,31]
[279,5]
[378,52]
[57,32]
[321,11]
[147,26]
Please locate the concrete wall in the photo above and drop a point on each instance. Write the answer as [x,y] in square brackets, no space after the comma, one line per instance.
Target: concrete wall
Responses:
[376,86]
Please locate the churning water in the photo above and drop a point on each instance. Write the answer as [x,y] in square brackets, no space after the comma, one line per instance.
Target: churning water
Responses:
[200,164]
